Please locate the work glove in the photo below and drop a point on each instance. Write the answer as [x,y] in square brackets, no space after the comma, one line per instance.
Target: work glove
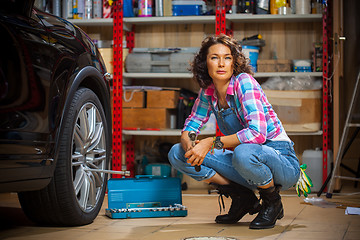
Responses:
[304,183]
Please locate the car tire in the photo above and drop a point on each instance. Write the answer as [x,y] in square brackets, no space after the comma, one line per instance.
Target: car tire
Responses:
[75,194]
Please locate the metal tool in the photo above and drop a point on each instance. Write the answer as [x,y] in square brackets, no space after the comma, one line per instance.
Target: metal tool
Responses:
[192,136]
[125,173]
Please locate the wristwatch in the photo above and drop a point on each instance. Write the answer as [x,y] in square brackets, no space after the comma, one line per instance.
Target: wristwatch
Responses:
[218,144]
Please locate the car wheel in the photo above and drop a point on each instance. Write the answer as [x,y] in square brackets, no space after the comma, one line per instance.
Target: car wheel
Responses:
[76,193]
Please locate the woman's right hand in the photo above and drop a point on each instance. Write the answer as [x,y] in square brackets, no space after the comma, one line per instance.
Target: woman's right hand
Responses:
[196,155]
[186,143]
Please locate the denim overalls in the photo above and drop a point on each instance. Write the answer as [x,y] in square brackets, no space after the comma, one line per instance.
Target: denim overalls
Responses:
[250,165]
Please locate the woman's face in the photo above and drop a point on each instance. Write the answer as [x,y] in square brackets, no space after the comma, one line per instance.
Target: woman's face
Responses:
[219,62]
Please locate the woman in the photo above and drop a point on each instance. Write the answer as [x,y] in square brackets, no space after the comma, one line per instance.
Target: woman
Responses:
[263,156]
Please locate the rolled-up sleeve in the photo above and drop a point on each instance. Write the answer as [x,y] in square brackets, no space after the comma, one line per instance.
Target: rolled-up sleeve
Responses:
[200,113]
[250,96]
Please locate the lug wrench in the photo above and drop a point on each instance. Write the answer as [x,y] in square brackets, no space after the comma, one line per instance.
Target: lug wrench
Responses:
[192,136]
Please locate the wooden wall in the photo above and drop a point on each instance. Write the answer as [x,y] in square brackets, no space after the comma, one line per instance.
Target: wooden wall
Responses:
[286,40]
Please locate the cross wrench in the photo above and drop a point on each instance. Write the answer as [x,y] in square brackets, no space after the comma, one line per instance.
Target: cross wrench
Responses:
[192,136]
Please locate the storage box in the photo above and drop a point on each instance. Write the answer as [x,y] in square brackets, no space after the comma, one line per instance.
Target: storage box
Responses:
[302,65]
[299,111]
[143,118]
[162,99]
[134,99]
[107,55]
[160,60]
[187,8]
[145,196]
[274,65]
[158,169]
[302,69]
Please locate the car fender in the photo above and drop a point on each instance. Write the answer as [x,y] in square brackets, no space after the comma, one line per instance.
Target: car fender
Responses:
[91,78]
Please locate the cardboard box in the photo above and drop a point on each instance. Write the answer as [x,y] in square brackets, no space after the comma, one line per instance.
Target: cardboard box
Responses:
[162,99]
[131,100]
[108,57]
[274,65]
[134,99]
[299,111]
[144,118]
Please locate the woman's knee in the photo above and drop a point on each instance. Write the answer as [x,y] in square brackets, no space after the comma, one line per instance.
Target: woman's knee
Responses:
[176,154]
[244,152]
[246,156]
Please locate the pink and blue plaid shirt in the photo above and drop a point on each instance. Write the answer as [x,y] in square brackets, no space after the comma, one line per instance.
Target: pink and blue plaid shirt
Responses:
[254,111]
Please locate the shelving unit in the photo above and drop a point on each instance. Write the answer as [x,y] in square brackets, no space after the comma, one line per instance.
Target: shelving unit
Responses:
[189,75]
[240,21]
[177,132]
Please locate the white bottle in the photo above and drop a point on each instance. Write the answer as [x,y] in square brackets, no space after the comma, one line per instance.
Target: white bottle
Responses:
[88,9]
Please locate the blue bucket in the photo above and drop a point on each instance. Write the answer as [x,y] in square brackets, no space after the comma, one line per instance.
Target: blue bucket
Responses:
[251,52]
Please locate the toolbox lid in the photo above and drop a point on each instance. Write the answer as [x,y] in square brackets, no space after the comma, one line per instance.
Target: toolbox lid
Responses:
[144,191]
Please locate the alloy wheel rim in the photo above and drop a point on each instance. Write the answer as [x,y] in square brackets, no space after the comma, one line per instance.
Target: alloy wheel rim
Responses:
[88,153]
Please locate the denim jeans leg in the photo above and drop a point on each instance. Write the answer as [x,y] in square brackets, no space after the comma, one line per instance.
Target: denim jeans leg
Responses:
[219,162]
[259,164]
[179,162]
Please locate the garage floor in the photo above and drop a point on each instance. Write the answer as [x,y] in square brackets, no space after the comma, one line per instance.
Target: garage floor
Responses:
[301,221]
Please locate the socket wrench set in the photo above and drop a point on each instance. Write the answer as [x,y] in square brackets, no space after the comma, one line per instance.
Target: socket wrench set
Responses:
[145,196]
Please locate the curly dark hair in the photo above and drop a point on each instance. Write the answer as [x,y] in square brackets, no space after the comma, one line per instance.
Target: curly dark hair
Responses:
[199,66]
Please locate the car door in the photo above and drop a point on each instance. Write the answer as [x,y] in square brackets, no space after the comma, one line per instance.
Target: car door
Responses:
[24,91]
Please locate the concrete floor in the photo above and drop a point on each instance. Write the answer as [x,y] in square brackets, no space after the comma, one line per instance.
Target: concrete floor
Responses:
[301,221]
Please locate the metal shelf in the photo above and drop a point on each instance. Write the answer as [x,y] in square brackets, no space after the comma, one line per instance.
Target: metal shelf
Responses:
[274,18]
[157,75]
[287,74]
[128,22]
[189,75]
[93,22]
[170,20]
[177,132]
[163,132]
[318,133]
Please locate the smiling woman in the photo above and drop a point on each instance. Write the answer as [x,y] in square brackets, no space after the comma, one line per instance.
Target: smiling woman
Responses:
[262,155]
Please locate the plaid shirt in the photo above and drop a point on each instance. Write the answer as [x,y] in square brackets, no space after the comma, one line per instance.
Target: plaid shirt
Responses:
[254,111]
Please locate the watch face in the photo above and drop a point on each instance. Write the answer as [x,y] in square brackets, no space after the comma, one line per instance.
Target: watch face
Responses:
[218,144]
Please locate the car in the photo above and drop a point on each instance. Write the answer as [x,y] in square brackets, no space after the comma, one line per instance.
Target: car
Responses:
[55,116]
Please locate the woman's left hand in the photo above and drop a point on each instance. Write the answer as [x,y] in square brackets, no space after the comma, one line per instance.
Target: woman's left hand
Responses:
[197,154]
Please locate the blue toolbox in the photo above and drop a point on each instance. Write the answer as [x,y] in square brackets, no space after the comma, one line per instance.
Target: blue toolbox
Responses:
[145,196]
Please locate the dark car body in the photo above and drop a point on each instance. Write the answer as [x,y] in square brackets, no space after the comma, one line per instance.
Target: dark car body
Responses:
[44,60]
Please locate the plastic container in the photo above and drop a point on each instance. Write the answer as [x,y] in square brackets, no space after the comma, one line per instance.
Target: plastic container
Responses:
[302,65]
[303,7]
[251,52]
[145,8]
[187,8]
[128,8]
[313,160]
[158,169]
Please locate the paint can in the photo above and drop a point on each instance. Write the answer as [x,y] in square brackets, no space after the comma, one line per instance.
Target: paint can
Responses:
[145,8]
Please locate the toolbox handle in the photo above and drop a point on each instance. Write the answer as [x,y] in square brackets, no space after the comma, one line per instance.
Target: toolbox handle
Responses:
[144,176]
[147,176]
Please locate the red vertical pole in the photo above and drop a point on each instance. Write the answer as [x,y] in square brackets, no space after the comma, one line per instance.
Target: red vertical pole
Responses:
[117,85]
[220,28]
[326,88]
[220,18]
[130,39]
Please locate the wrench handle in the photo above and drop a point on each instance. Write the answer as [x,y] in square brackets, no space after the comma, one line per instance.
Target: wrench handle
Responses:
[192,136]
